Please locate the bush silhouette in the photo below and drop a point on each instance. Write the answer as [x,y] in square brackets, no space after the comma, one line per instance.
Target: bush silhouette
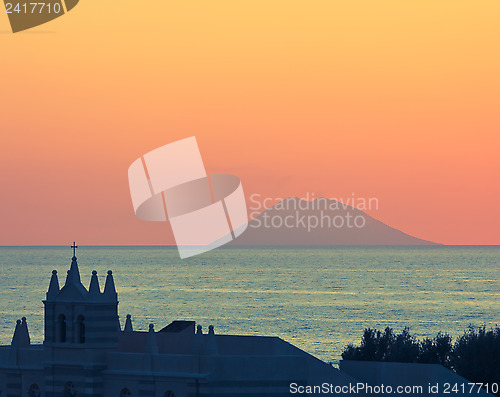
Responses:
[475,355]
[436,351]
[384,346]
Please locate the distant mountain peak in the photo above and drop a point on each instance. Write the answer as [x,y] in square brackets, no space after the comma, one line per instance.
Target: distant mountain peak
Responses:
[322,221]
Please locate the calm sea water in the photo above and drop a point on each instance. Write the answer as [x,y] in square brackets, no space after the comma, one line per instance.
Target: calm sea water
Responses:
[319,299]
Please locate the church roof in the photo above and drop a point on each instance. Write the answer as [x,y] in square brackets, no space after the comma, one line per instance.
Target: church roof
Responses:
[179,326]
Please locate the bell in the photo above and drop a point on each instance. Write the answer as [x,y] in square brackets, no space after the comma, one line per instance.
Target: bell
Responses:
[26,14]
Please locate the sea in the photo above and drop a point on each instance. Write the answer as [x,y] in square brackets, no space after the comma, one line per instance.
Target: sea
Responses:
[317,298]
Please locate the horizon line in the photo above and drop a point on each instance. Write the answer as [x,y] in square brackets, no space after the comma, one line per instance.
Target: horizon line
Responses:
[250,246]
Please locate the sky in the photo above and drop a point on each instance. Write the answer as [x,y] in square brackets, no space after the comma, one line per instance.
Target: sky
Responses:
[396,100]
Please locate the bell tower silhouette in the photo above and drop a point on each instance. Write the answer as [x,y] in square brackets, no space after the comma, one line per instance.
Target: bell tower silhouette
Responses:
[77,317]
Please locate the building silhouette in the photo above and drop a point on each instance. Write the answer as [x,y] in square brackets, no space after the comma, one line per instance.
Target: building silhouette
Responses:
[86,353]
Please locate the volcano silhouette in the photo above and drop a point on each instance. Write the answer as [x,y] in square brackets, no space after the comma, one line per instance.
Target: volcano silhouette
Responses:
[295,222]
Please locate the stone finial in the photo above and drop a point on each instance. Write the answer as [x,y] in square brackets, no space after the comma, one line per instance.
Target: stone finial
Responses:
[198,340]
[21,336]
[53,286]
[109,287]
[94,289]
[25,332]
[15,337]
[211,348]
[128,324]
[151,343]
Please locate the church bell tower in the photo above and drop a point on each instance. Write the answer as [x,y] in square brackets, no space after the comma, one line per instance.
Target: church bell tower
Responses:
[77,317]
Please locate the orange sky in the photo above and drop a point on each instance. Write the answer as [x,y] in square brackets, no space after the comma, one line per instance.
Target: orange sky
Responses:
[398,100]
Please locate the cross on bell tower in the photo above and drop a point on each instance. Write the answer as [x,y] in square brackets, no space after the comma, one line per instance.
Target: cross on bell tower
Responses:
[74,246]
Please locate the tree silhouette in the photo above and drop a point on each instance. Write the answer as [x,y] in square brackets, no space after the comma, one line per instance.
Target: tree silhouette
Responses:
[474,356]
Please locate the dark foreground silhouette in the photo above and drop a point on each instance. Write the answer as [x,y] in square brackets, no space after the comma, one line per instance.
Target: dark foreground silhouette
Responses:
[475,355]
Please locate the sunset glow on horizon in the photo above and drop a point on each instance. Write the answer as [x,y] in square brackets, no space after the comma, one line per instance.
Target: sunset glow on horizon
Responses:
[392,100]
